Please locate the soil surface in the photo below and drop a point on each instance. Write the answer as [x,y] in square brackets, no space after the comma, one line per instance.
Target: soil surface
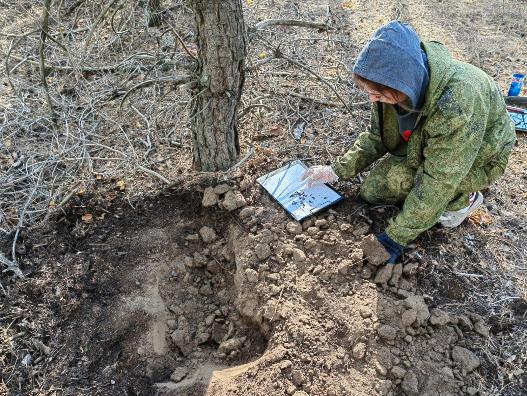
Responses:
[208,288]
[165,296]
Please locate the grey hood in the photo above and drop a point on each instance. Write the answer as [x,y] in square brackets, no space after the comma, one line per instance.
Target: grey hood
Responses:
[393,57]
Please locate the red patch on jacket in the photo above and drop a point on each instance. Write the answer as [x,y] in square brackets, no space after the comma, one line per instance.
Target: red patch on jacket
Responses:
[406,135]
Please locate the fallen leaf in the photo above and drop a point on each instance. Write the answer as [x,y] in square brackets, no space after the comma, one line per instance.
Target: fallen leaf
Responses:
[349,5]
[87,218]
[275,130]
[480,217]
[121,185]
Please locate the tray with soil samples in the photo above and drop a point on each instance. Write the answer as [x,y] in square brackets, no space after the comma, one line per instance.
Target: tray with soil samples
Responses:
[286,186]
[519,117]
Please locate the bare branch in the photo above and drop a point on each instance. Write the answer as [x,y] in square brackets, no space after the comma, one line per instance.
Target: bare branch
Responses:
[289,22]
[247,156]
[73,7]
[102,69]
[183,44]
[43,79]
[315,100]
[12,45]
[280,55]
[99,19]
[154,173]
[175,79]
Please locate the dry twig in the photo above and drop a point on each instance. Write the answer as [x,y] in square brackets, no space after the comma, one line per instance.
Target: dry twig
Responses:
[289,22]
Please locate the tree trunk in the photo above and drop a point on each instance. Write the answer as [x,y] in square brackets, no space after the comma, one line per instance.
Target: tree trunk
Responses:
[222,48]
[153,13]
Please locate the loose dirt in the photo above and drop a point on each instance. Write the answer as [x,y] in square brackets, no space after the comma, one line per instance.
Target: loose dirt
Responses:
[173,298]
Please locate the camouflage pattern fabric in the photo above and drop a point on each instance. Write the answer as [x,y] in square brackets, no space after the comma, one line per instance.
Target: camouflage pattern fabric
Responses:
[462,145]
[391,180]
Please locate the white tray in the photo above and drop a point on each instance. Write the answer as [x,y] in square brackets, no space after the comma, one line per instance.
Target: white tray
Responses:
[299,201]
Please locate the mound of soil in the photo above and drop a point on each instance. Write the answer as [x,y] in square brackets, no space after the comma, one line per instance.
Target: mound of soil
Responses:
[337,323]
[194,294]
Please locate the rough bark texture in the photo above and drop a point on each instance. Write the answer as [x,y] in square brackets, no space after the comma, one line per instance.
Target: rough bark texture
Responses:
[222,47]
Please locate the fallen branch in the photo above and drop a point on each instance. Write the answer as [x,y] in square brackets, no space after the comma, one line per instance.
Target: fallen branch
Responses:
[278,54]
[259,63]
[112,20]
[315,100]
[98,69]
[69,195]
[12,45]
[247,156]
[18,36]
[62,33]
[325,102]
[246,110]
[154,173]
[130,160]
[14,263]
[62,46]
[9,264]
[289,22]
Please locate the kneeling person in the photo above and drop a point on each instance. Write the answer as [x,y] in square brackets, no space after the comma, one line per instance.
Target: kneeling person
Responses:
[441,126]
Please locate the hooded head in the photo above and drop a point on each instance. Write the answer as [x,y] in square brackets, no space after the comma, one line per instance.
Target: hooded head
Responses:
[393,57]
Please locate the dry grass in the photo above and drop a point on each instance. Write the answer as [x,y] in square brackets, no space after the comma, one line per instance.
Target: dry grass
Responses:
[90,67]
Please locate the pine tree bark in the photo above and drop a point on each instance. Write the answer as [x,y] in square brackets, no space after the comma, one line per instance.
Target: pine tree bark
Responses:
[222,48]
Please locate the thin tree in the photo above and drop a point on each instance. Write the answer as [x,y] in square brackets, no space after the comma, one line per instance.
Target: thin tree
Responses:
[222,49]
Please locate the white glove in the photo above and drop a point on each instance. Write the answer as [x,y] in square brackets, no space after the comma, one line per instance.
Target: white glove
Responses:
[319,174]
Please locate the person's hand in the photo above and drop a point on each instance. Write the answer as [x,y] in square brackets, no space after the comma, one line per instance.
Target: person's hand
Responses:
[393,248]
[319,174]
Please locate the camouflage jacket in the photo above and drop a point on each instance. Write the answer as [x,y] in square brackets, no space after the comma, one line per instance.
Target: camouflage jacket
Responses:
[465,124]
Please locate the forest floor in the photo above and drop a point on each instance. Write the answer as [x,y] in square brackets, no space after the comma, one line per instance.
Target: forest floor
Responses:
[205,286]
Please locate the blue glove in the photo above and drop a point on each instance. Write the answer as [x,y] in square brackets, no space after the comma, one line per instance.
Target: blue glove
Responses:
[393,248]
